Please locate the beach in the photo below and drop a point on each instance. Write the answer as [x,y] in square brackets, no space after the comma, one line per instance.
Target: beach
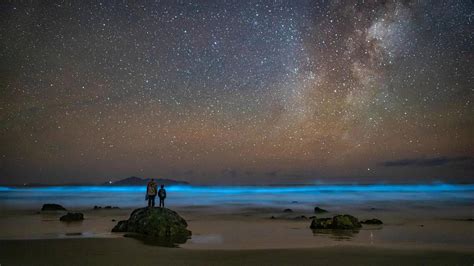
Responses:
[424,230]
[236,133]
[126,251]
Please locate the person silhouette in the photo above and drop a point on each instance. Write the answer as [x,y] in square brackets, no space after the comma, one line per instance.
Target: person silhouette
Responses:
[162,196]
[151,193]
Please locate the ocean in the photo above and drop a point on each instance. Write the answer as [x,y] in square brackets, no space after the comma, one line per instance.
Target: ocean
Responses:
[235,196]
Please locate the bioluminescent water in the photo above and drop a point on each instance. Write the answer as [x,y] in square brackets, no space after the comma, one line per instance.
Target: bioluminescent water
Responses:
[265,196]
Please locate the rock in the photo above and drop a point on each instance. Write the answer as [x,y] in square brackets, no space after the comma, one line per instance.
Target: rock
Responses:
[345,222]
[371,221]
[321,223]
[72,217]
[113,220]
[337,222]
[52,207]
[159,224]
[121,226]
[319,210]
[301,217]
[273,217]
[106,207]
[287,210]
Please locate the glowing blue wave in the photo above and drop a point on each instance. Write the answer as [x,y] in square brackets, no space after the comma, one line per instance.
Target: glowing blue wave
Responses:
[255,189]
[268,196]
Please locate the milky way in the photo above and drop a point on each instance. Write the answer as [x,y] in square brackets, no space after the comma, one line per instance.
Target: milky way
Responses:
[237,91]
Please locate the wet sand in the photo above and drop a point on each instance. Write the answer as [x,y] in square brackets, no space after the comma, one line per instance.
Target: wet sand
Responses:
[253,228]
[123,251]
[242,235]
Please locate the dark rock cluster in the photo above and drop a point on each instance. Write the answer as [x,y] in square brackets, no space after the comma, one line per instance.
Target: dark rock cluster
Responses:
[106,207]
[337,222]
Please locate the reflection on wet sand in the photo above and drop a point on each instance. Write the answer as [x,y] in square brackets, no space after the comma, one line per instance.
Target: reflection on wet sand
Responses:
[336,234]
[160,242]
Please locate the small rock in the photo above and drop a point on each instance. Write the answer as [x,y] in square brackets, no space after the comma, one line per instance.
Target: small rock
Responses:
[287,210]
[72,217]
[302,217]
[52,207]
[113,220]
[319,210]
[108,207]
[371,221]
[337,222]
[273,217]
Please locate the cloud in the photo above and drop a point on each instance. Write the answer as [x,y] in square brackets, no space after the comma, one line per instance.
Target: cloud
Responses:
[428,162]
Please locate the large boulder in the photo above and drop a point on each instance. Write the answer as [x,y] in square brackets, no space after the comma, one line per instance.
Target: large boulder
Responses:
[158,224]
[337,222]
[52,207]
[72,217]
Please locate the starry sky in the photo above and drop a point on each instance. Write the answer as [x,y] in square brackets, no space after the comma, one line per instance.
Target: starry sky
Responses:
[237,92]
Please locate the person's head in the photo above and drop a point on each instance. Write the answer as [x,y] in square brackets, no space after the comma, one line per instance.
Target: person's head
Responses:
[162,186]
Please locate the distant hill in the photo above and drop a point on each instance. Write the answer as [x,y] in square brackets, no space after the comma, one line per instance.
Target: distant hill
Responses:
[137,181]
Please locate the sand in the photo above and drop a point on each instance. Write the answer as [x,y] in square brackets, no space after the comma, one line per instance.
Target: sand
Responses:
[243,236]
[123,251]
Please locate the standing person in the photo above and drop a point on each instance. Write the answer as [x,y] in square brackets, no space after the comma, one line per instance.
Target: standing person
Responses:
[151,192]
[162,195]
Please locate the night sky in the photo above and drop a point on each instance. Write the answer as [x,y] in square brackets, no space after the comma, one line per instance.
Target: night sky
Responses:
[237,92]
